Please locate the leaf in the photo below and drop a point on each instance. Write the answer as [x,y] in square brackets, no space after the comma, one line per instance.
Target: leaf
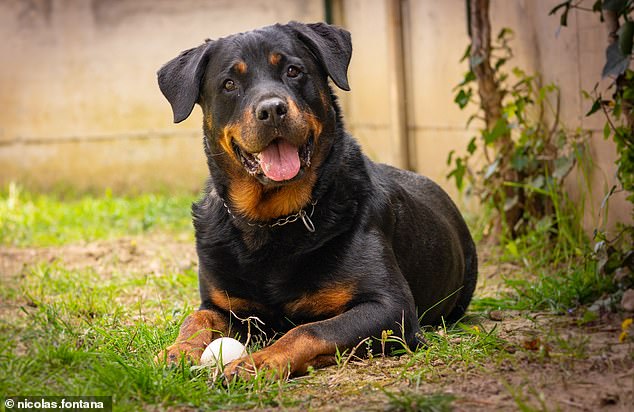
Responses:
[532,344]
[563,166]
[537,182]
[499,63]
[626,32]
[519,162]
[615,62]
[596,105]
[504,32]
[450,156]
[471,147]
[500,128]
[466,54]
[607,131]
[563,20]
[628,94]
[458,173]
[463,98]
[468,78]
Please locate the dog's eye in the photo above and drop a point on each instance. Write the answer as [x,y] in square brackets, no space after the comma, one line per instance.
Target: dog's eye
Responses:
[293,71]
[230,85]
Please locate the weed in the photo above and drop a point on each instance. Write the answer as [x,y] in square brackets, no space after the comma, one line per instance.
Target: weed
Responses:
[524,157]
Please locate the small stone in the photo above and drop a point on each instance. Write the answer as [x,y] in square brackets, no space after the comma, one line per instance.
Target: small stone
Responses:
[627,302]
[510,348]
[496,315]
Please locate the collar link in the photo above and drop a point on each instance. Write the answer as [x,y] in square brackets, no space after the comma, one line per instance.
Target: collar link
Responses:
[302,214]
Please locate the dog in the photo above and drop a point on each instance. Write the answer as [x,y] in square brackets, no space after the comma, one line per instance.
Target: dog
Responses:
[297,227]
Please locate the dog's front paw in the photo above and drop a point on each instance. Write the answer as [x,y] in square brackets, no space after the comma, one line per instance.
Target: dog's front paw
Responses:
[174,353]
[273,364]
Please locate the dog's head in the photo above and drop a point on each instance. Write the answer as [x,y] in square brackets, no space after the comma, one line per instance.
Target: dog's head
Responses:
[268,111]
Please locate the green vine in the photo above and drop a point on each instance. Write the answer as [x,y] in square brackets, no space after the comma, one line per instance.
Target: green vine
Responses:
[538,155]
[618,106]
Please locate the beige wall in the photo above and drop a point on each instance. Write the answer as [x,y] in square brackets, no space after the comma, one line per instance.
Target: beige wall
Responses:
[81,105]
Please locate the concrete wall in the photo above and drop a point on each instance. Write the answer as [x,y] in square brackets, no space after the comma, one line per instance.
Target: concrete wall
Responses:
[80,104]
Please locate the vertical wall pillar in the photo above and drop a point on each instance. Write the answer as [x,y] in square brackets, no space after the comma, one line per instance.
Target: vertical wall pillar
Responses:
[396,73]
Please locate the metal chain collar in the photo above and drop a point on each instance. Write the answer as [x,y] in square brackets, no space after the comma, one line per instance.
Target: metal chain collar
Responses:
[285,220]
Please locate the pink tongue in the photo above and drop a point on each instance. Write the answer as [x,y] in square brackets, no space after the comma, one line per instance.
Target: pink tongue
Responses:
[280,161]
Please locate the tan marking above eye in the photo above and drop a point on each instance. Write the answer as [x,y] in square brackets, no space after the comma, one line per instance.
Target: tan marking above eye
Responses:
[275,58]
[240,67]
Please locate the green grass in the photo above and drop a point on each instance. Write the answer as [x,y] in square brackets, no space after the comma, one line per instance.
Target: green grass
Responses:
[460,346]
[95,330]
[548,278]
[73,333]
[556,269]
[53,219]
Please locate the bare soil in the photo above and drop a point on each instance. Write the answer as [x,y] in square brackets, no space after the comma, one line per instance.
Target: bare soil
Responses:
[549,363]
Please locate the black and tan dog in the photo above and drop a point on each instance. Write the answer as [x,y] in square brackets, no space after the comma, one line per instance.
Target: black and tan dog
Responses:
[297,226]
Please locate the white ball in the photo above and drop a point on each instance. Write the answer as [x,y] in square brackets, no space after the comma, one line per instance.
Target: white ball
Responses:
[222,350]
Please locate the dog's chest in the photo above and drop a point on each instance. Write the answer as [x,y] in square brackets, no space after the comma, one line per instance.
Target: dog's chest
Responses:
[294,291]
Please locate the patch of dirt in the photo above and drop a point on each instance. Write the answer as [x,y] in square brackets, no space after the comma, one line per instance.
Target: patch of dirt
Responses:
[548,363]
[147,254]
[151,256]
[570,368]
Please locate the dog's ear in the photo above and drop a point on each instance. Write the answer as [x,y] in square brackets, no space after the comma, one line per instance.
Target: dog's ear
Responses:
[180,79]
[331,45]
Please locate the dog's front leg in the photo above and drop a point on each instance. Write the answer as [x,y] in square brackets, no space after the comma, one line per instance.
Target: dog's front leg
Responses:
[316,344]
[197,331]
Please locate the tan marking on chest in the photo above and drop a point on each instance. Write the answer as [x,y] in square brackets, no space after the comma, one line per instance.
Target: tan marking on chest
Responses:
[234,304]
[329,301]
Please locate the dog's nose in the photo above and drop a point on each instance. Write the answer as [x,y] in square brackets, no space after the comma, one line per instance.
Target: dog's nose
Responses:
[271,111]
